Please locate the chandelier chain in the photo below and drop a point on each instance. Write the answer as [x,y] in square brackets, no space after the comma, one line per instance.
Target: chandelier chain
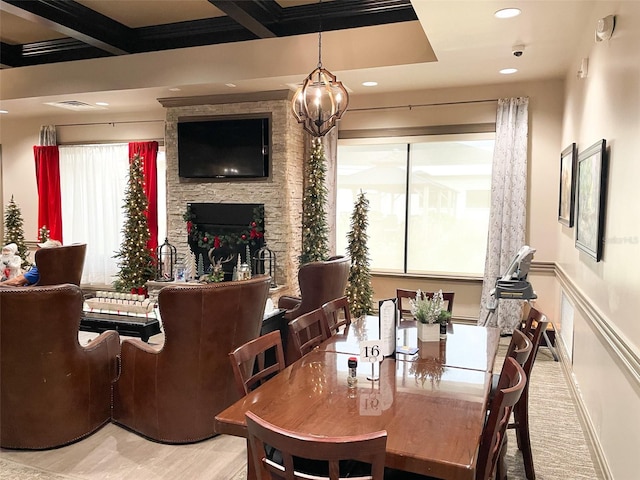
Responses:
[320,34]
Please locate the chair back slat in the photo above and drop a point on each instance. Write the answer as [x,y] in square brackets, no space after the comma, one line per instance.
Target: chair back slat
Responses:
[337,314]
[309,330]
[249,362]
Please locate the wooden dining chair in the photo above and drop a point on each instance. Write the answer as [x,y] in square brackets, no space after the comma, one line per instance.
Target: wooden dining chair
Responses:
[535,325]
[337,314]
[403,305]
[511,385]
[309,330]
[519,349]
[257,361]
[335,453]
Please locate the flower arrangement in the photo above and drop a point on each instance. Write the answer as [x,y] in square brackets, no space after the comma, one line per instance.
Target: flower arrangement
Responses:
[429,310]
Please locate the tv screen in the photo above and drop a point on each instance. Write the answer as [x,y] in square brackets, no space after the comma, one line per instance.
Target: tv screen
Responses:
[224,148]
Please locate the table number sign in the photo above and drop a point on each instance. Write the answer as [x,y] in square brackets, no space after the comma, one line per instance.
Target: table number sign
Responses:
[388,321]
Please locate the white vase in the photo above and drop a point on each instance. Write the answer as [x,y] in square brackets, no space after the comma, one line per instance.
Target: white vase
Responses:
[429,332]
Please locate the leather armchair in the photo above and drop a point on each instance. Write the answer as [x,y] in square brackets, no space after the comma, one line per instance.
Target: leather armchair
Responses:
[61,264]
[172,395]
[53,391]
[319,283]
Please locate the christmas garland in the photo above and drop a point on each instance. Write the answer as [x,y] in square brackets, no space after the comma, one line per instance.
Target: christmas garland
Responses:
[210,239]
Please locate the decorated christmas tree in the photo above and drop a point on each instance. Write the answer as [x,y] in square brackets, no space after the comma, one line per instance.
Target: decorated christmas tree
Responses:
[43,234]
[14,232]
[315,243]
[136,261]
[359,291]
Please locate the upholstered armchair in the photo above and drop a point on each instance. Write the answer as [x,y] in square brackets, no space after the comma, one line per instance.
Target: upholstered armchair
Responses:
[61,264]
[319,282]
[53,391]
[172,395]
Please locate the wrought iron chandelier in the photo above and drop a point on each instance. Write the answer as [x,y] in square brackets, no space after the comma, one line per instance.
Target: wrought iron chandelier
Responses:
[321,100]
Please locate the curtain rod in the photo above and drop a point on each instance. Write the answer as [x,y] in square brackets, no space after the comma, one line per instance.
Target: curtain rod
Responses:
[488,100]
[113,124]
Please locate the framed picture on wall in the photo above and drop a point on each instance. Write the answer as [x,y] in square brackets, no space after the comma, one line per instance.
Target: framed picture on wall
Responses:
[591,179]
[566,202]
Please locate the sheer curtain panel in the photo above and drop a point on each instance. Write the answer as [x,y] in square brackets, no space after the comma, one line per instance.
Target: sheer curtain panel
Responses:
[507,217]
[93,181]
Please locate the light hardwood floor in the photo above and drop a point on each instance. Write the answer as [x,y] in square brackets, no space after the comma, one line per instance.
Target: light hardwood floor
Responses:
[558,441]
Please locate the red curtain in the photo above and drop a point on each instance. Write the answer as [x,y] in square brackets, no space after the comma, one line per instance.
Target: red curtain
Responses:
[149,152]
[48,181]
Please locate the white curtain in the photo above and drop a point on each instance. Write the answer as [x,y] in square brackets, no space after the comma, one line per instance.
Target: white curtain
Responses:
[48,136]
[330,145]
[93,181]
[507,218]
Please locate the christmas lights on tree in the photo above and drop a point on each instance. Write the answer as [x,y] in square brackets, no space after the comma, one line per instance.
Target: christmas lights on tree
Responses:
[136,261]
[359,291]
[14,231]
[315,240]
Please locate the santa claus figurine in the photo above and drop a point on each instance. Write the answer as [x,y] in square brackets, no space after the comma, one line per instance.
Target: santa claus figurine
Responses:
[10,262]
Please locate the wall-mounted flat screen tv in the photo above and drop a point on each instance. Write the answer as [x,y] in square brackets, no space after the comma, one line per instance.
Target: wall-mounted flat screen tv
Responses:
[223,148]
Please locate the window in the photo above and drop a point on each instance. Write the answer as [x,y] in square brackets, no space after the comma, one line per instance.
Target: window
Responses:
[429,201]
[93,182]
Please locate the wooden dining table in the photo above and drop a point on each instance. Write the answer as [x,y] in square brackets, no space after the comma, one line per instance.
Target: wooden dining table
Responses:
[433,412]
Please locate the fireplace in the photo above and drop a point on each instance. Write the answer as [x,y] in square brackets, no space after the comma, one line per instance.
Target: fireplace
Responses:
[222,232]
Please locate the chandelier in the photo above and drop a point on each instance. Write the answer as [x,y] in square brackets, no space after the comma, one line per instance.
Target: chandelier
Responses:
[321,100]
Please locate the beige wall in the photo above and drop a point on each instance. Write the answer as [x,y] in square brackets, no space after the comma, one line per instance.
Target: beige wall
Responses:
[606,331]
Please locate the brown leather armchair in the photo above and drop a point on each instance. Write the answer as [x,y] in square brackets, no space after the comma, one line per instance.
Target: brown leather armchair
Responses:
[53,391]
[319,283]
[172,395]
[61,264]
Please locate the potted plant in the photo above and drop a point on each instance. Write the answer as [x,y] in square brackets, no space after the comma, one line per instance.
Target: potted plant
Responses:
[427,311]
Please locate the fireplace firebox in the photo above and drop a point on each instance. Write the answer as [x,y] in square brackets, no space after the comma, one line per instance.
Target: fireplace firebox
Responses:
[222,231]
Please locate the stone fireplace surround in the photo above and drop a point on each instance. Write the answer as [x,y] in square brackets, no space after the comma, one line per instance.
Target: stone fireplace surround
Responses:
[281,193]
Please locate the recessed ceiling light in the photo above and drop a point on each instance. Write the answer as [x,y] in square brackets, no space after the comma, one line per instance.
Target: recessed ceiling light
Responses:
[231,85]
[4,111]
[174,89]
[369,84]
[102,104]
[508,71]
[507,13]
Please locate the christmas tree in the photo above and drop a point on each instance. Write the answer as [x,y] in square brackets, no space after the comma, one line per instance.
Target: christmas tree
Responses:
[315,243]
[136,261]
[359,291]
[14,232]
[43,234]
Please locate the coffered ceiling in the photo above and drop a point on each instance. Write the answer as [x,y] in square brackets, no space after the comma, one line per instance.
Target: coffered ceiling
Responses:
[129,53]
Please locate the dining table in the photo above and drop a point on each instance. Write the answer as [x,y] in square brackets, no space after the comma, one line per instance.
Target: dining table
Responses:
[432,408]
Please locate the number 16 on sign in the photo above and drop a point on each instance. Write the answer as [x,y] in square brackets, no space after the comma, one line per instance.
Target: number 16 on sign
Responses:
[370,352]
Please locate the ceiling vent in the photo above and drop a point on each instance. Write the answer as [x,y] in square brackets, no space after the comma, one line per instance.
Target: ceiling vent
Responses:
[74,105]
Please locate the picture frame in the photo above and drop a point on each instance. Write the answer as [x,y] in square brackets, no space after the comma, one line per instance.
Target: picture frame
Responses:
[590,201]
[567,188]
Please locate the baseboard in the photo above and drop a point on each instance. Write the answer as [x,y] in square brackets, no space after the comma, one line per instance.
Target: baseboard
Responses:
[597,453]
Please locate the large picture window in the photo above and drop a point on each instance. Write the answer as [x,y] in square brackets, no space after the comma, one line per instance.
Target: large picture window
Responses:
[429,201]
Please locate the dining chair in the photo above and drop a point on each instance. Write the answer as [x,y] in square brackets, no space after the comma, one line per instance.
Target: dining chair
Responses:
[403,306]
[519,349]
[250,362]
[309,330]
[335,453]
[535,325]
[337,314]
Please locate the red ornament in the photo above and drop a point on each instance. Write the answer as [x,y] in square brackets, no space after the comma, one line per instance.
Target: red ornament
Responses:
[205,239]
[253,224]
[244,237]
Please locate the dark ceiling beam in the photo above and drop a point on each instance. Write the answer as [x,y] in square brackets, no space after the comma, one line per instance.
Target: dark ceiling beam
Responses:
[250,15]
[76,21]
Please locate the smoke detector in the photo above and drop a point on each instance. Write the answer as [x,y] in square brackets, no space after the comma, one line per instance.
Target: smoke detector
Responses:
[605,27]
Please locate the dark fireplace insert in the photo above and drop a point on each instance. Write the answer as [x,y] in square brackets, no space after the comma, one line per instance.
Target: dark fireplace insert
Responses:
[222,231]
